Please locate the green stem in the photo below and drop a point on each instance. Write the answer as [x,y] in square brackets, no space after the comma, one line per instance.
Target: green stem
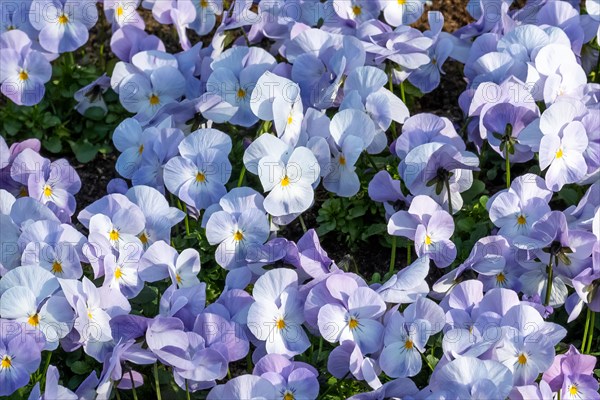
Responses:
[242,175]
[117,391]
[393,257]
[249,365]
[585,330]
[46,365]
[507,166]
[187,390]
[408,253]
[391,87]
[402,92]
[302,223]
[331,386]
[320,348]
[245,36]
[133,386]
[427,362]
[597,77]
[549,284]
[156,382]
[464,127]
[449,196]
[591,333]
[183,208]
[370,160]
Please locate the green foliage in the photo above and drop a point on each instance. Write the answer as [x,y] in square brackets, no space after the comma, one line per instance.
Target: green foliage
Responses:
[54,121]
[355,219]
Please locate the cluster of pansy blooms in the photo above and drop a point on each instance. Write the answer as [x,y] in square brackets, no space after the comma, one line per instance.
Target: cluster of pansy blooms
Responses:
[318,97]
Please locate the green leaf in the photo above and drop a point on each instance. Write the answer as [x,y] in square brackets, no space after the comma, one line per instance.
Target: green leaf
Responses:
[483,200]
[52,144]
[84,152]
[465,224]
[475,190]
[432,360]
[568,195]
[80,367]
[12,126]
[50,121]
[95,113]
[376,229]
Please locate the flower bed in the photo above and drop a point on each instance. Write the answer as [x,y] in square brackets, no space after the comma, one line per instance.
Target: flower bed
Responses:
[289,220]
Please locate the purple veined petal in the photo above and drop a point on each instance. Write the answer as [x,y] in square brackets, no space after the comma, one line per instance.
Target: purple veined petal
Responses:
[135,93]
[220,227]
[440,226]
[368,335]
[568,169]
[156,261]
[332,322]
[28,92]
[398,361]
[366,80]
[254,226]
[383,188]
[203,139]
[128,134]
[60,37]
[341,286]
[270,286]
[177,172]
[168,82]
[366,302]
[265,145]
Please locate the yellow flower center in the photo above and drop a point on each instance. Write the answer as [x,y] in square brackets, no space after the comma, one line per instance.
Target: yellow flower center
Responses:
[401,2]
[342,160]
[501,278]
[178,278]
[6,362]
[285,181]
[33,320]
[559,153]
[353,323]
[141,149]
[113,235]
[288,396]
[290,120]
[154,100]
[408,345]
[357,10]
[241,94]
[521,220]
[280,324]
[23,75]
[47,190]
[143,238]
[200,177]
[573,390]
[118,273]
[203,3]
[119,11]
[522,359]
[57,267]
[90,314]
[428,240]
[63,19]
[238,236]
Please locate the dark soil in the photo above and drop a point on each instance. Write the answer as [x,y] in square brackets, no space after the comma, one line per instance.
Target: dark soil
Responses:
[371,256]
